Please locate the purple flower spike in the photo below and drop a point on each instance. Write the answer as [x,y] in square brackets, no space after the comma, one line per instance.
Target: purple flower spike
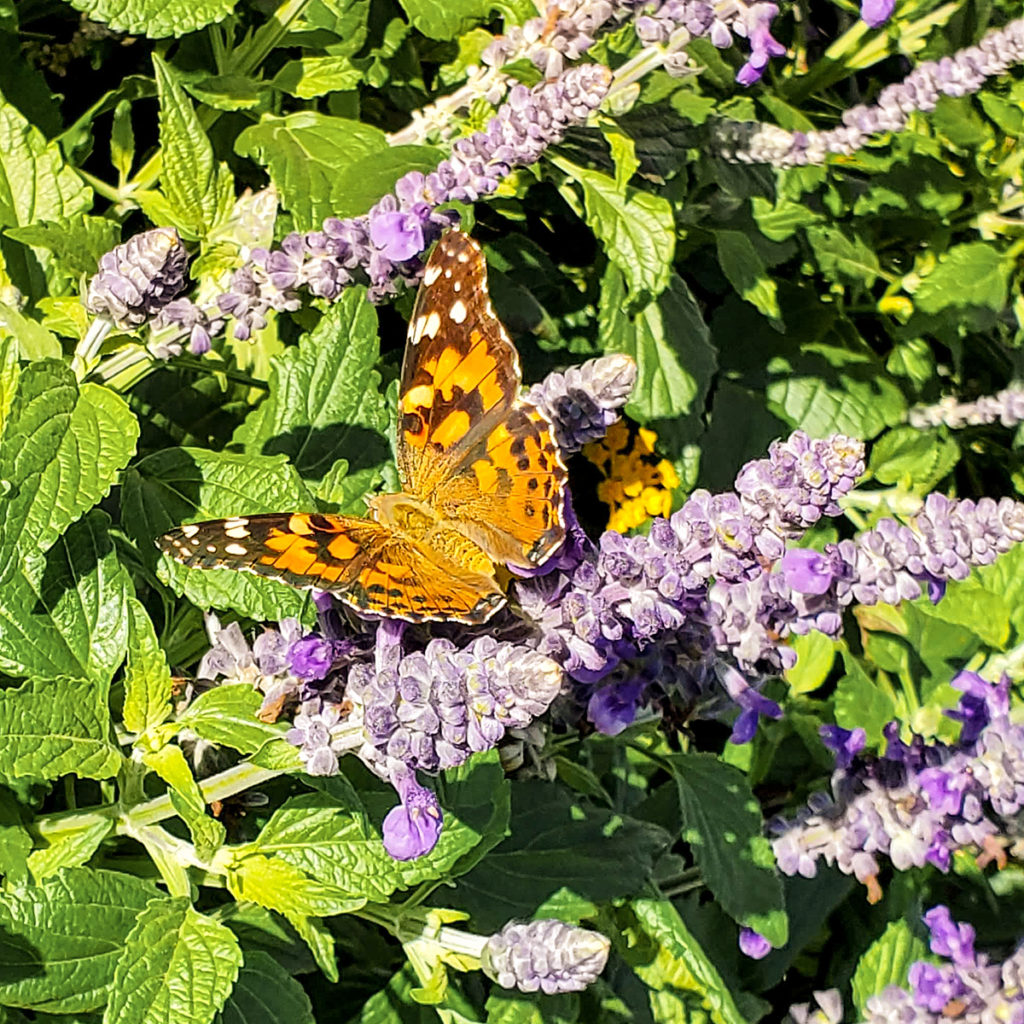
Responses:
[413,827]
[753,944]
[948,938]
[613,707]
[807,571]
[844,743]
[876,13]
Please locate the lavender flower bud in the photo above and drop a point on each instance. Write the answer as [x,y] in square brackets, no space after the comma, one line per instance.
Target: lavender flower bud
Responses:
[137,279]
[547,955]
[190,320]
[584,402]
[1006,407]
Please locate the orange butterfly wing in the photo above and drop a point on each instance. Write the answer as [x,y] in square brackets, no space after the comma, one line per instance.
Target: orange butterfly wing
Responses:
[483,458]
[367,565]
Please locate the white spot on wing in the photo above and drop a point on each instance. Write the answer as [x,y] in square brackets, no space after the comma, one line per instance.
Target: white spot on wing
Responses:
[237,532]
[190,530]
[432,274]
[234,524]
[432,324]
[458,311]
[236,549]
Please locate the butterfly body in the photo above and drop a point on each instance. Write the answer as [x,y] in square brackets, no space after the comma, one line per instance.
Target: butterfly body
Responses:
[483,480]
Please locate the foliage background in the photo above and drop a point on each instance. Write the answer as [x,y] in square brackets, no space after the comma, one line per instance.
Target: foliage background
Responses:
[754,300]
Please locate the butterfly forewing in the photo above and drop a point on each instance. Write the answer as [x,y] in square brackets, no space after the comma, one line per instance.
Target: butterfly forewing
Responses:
[370,567]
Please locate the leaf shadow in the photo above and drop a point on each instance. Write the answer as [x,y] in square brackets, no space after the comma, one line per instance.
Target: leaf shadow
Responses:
[19,958]
[313,450]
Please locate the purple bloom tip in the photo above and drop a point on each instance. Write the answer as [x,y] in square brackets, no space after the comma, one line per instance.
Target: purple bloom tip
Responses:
[398,234]
[876,13]
[412,828]
[753,944]
[613,707]
[844,743]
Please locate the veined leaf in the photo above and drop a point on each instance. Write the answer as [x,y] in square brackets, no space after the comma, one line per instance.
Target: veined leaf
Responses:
[147,679]
[177,965]
[265,993]
[156,19]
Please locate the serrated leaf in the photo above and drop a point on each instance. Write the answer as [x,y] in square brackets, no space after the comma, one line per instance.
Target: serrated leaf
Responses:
[226,715]
[556,842]
[747,273]
[917,458]
[100,439]
[15,841]
[316,76]
[60,940]
[278,885]
[843,257]
[10,373]
[225,92]
[147,678]
[66,615]
[670,343]
[35,183]
[200,190]
[723,826]
[69,848]
[55,728]
[637,229]
[324,402]
[679,963]
[304,153]
[975,274]
[782,220]
[179,485]
[78,242]
[187,798]
[623,149]
[177,965]
[886,962]
[445,19]
[265,993]
[156,19]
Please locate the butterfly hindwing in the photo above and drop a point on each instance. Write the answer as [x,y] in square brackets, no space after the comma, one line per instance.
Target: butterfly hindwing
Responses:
[366,564]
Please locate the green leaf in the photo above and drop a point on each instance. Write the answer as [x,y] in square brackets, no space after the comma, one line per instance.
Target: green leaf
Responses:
[859,703]
[784,219]
[122,140]
[66,615]
[226,715]
[147,679]
[638,230]
[445,19]
[15,841]
[10,373]
[34,340]
[224,92]
[670,343]
[178,485]
[816,653]
[35,183]
[69,848]
[747,273]
[678,965]
[265,993]
[886,962]
[556,842]
[919,459]
[624,156]
[278,885]
[78,242]
[359,185]
[100,439]
[316,76]
[723,826]
[60,940]
[325,401]
[187,798]
[177,965]
[200,190]
[975,274]
[304,153]
[156,19]
[843,258]
[50,729]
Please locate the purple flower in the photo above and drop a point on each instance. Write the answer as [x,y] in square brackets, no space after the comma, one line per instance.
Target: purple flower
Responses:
[876,12]
[806,570]
[934,987]
[398,234]
[845,743]
[948,938]
[412,828]
[753,944]
[612,708]
[754,704]
[311,657]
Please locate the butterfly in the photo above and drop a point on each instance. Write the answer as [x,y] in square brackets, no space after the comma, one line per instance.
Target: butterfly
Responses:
[483,481]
